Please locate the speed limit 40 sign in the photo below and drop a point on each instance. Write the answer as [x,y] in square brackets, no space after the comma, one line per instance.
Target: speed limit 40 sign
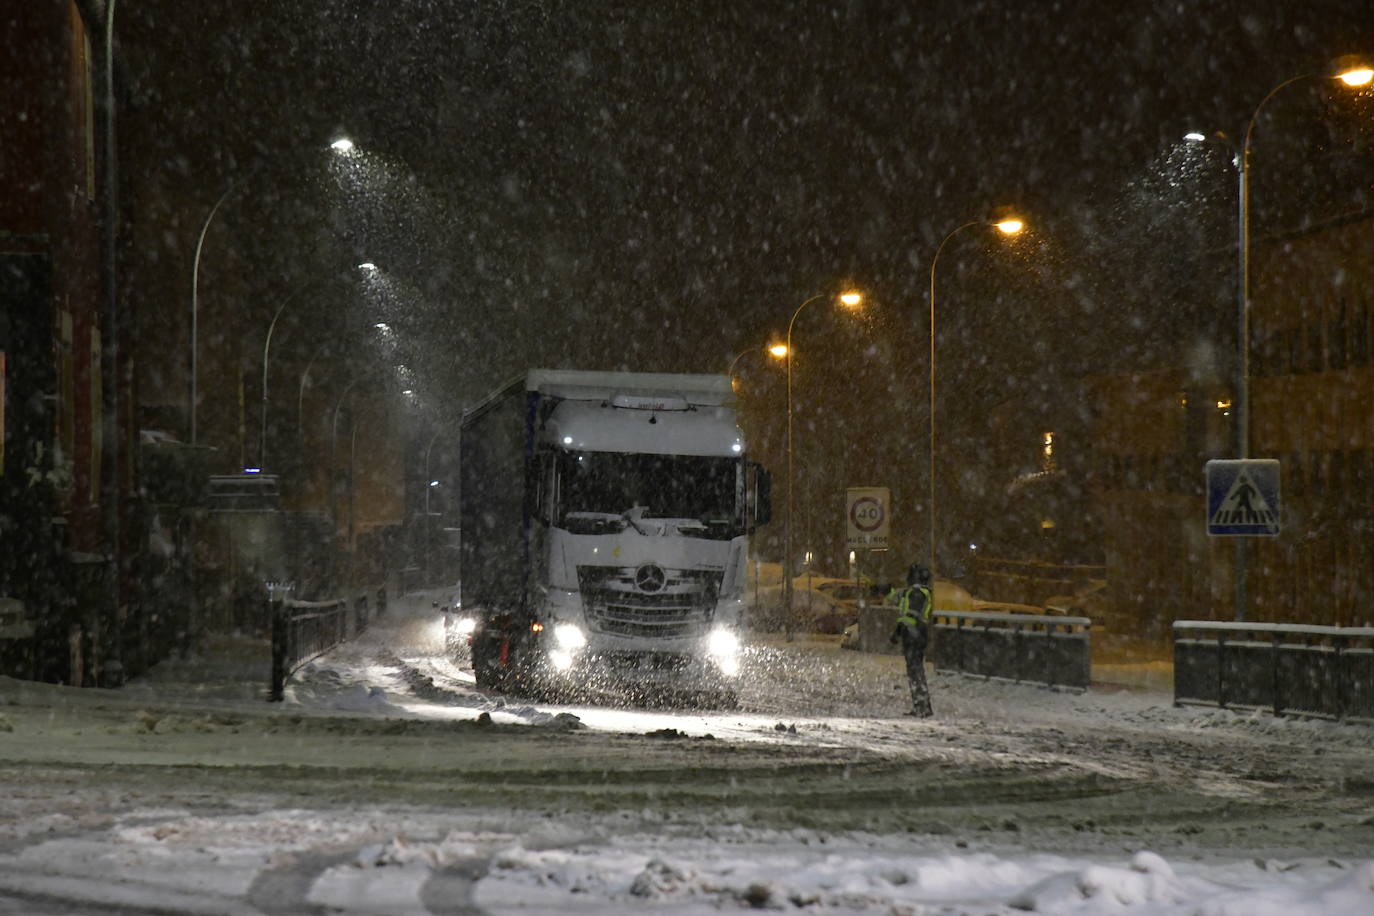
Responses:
[866,517]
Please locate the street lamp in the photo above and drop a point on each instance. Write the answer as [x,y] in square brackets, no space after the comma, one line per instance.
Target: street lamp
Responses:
[849,299]
[342,145]
[1352,76]
[1007,226]
[266,348]
[777,351]
[195,302]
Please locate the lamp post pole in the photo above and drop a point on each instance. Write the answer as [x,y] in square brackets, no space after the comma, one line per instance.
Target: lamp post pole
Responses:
[341,146]
[195,303]
[1242,405]
[731,370]
[266,348]
[850,299]
[787,521]
[1359,76]
[1008,226]
[778,351]
[930,496]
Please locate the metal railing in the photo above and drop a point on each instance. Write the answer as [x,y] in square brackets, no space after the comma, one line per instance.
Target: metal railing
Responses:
[1285,668]
[1017,647]
[304,630]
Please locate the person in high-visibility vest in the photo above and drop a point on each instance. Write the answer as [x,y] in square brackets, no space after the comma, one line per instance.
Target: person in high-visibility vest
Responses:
[915,603]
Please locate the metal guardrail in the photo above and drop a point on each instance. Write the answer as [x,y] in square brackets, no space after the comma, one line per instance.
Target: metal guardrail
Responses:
[1018,647]
[1285,668]
[304,630]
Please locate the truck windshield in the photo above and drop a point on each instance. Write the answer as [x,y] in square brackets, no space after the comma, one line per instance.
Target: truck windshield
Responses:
[698,491]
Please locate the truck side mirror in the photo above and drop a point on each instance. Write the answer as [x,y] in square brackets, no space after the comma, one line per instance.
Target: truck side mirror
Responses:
[761,492]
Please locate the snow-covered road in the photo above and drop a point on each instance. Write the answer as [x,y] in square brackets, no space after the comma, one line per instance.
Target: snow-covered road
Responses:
[388,784]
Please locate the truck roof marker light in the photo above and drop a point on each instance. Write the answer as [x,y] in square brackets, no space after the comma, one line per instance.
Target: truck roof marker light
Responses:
[536,627]
[649,402]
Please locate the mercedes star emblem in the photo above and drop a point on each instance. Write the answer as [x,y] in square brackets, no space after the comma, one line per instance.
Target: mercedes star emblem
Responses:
[650,578]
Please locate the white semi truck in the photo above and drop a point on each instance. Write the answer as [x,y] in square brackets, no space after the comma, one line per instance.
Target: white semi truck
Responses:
[605,525]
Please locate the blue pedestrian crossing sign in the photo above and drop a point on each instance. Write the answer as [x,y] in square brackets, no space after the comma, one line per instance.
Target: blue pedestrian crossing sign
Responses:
[1243,497]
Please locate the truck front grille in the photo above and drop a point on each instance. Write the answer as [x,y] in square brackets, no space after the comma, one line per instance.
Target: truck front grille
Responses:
[649,601]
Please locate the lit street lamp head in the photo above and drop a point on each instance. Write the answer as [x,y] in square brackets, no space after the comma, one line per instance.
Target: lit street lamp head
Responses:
[1352,70]
[851,298]
[777,351]
[342,145]
[1010,226]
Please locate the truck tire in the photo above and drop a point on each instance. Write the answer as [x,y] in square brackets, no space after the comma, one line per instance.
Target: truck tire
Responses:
[485,671]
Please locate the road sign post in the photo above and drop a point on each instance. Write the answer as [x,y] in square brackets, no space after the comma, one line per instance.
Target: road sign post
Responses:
[1243,502]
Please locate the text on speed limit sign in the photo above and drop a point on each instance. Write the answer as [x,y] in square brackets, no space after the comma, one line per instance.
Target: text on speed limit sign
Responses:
[867,517]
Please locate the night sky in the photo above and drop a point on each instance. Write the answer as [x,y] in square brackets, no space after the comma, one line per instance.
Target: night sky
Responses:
[658,186]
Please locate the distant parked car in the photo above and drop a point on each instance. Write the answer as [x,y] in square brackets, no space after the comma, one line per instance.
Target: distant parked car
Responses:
[843,597]
[843,592]
[1091,600]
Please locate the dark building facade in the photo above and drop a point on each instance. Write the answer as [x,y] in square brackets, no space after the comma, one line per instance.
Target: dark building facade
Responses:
[65,499]
[1312,408]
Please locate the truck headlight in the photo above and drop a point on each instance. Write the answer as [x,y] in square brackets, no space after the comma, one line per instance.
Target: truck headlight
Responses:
[569,637]
[723,644]
[464,625]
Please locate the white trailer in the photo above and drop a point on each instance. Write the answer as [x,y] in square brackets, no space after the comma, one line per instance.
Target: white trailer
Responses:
[605,521]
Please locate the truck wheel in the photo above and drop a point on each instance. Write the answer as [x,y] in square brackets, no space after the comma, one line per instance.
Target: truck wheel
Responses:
[484,671]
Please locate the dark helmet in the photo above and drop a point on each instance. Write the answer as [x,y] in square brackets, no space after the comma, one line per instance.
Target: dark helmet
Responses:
[917,575]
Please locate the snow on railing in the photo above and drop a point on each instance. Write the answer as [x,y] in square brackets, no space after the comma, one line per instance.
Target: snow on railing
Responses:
[1287,668]
[1044,649]
[304,630]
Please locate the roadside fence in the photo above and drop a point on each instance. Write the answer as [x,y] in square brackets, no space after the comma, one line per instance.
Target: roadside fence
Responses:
[1285,668]
[304,630]
[1048,650]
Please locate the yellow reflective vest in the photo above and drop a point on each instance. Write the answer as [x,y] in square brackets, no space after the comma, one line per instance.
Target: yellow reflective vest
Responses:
[921,614]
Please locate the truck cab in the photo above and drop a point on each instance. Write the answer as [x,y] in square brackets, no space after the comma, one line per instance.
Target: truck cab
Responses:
[639,503]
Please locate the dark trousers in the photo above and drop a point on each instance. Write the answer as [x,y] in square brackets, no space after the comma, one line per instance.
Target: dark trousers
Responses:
[920,691]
